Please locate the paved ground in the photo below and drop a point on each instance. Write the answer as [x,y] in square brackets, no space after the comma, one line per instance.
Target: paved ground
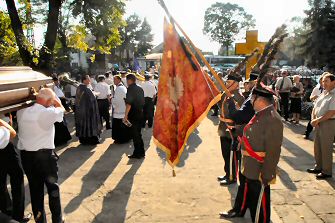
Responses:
[100,185]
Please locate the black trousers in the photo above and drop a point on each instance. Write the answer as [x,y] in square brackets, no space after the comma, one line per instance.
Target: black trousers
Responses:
[148,112]
[226,148]
[6,219]
[10,164]
[309,128]
[41,169]
[65,104]
[136,134]
[120,132]
[240,195]
[250,200]
[103,105]
[284,101]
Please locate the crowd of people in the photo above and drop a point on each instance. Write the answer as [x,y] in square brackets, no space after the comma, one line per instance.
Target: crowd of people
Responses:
[250,146]
[124,103]
[245,132]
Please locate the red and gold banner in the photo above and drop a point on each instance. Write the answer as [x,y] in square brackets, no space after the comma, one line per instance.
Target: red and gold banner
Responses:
[185,95]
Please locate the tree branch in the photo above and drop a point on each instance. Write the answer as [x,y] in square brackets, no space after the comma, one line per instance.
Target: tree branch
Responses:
[21,40]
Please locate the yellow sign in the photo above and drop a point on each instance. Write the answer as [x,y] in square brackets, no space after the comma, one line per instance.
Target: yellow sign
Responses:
[248,47]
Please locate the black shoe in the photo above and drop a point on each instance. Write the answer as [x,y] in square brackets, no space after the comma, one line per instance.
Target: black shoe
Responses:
[230,214]
[226,182]
[323,176]
[136,156]
[107,128]
[221,178]
[313,170]
[215,114]
[26,218]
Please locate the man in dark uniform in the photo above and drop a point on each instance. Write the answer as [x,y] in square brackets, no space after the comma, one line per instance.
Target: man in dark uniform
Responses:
[261,147]
[10,164]
[241,117]
[134,115]
[228,132]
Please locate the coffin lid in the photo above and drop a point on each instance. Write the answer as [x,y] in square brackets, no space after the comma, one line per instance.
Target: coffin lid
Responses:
[18,77]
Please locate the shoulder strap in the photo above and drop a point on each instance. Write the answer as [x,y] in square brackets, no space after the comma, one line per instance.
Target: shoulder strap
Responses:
[282,83]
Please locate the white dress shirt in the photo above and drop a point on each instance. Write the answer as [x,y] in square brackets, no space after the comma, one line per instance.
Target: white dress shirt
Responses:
[4,137]
[118,102]
[59,92]
[93,82]
[124,81]
[73,91]
[149,89]
[109,81]
[36,127]
[287,84]
[316,91]
[103,89]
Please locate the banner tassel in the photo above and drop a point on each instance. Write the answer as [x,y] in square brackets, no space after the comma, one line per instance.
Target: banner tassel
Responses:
[173,173]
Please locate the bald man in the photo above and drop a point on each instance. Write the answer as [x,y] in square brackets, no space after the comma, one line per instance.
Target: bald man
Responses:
[36,142]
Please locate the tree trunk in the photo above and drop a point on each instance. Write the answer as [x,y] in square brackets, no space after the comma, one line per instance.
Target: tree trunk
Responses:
[21,40]
[46,52]
[65,49]
[227,49]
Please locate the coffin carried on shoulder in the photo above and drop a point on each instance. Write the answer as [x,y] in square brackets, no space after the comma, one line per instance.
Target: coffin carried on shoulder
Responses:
[17,87]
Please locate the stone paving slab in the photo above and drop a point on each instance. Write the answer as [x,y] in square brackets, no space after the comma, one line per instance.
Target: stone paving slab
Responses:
[100,185]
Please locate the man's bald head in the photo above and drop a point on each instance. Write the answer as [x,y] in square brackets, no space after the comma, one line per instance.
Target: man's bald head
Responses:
[45,97]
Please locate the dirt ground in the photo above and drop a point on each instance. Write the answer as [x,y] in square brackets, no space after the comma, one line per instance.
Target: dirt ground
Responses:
[101,185]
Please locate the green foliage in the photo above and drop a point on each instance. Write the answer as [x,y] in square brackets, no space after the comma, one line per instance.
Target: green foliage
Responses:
[316,41]
[77,38]
[145,38]
[8,49]
[95,28]
[224,21]
[102,19]
[136,36]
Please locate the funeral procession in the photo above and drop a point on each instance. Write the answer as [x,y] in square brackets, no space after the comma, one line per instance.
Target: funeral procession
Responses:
[167,111]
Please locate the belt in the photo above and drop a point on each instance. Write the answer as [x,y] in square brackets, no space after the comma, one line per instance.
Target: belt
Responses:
[40,150]
[102,99]
[226,120]
[261,154]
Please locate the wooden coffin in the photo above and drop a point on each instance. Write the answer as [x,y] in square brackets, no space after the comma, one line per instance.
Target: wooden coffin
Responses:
[17,85]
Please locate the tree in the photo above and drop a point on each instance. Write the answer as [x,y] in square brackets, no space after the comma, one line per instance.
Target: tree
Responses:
[9,54]
[317,44]
[145,38]
[136,37]
[100,20]
[224,21]
[26,52]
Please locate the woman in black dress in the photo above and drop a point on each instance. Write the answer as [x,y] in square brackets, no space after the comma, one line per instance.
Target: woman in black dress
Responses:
[296,94]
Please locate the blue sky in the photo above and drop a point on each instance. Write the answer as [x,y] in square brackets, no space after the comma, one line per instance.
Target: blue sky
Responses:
[269,14]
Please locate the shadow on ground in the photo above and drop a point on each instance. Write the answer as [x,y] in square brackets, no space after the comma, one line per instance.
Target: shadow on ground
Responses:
[192,144]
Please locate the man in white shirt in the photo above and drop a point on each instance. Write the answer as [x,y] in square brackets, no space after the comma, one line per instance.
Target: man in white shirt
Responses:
[60,94]
[149,97]
[317,91]
[103,98]
[123,78]
[36,142]
[284,86]
[109,80]
[10,164]
[120,132]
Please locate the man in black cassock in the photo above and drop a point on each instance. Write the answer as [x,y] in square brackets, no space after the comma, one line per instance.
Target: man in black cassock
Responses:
[87,118]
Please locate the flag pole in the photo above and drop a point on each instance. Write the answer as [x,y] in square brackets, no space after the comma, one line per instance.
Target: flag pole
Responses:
[228,93]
